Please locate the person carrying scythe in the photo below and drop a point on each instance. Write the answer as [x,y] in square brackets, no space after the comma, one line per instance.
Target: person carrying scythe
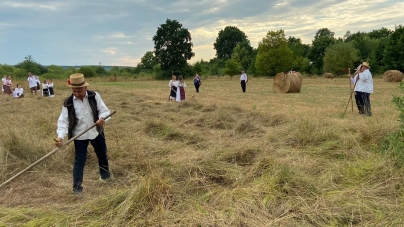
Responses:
[173,84]
[363,87]
[81,110]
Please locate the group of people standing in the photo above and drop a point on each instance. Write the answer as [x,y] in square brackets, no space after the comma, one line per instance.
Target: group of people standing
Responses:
[34,86]
[177,87]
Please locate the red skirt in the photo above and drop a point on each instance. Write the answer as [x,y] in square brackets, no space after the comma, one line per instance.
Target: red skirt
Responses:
[182,93]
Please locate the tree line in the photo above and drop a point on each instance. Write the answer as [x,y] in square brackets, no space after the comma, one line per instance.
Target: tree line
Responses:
[382,48]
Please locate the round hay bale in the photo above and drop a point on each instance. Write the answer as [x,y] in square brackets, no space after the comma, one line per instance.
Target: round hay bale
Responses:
[112,79]
[299,75]
[328,75]
[393,76]
[288,82]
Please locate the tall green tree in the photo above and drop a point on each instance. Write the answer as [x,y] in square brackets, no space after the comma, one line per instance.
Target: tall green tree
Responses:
[363,43]
[296,45]
[172,48]
[323,39]
[87,71]
[243,54]
[339,57]
[380,33]
[393,57]
[232,68]
[226,40]
[201,67]
[300,50]
[274,55]
[29,65]
[148,61]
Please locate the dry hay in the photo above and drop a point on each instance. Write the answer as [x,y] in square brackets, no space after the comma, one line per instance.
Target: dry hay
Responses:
[393,76]
[112,79]
[288,82]
[328,75]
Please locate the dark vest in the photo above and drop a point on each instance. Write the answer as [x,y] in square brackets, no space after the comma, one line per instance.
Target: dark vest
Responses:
[72,113]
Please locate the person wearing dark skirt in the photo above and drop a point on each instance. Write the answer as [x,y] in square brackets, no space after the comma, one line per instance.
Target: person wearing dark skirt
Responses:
[50,88]
[45,91]
[173,88]
[7,86]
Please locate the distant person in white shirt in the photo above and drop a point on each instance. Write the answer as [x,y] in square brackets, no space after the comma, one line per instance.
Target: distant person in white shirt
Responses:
[173,84]
[3,82]
[243,81]
[81,110]
[363,82]
[18,92]
[45,91]
[50,88]
[32,83]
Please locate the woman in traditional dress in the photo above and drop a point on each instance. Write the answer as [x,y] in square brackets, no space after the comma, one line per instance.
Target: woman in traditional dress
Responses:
[173,88]
[7,86]
[181,89]
[50,88]
[45,91]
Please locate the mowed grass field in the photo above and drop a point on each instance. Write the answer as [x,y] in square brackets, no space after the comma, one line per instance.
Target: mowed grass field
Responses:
[222,158]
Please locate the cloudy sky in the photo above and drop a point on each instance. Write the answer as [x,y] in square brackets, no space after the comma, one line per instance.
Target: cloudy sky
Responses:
[119,32]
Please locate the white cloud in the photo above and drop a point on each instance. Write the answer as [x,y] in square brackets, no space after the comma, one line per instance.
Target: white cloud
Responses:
[110,50]
[33,5]
[121,31]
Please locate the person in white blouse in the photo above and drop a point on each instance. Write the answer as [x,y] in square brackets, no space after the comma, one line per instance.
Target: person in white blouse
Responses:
[3,82]
[173,84]
[18,92]
[180,90]
[50,88]
[45,91]
[32,83]
[243,81]
[81,110]
[363,83]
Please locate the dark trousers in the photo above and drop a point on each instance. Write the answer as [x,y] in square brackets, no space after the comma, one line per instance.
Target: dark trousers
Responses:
[243,85]
[100,149]
[363,103]
[197,87]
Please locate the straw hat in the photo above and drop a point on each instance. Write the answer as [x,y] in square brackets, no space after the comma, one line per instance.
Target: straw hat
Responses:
[77,80]
[366,64]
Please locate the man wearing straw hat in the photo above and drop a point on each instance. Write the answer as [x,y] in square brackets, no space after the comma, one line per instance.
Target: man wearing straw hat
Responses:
[363,88]
[81,110]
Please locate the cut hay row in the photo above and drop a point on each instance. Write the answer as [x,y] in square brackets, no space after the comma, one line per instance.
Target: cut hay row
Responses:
[328,75]
[288,82]
[393,76]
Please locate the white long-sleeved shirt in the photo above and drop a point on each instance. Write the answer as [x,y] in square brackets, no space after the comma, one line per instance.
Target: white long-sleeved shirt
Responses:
[365,82]
[181,84]
[84,115]
[173,83]
[32,81]
[18,92]
[243,77]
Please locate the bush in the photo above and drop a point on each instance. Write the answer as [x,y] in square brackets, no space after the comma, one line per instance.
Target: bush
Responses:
[393,144]
[87,71]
